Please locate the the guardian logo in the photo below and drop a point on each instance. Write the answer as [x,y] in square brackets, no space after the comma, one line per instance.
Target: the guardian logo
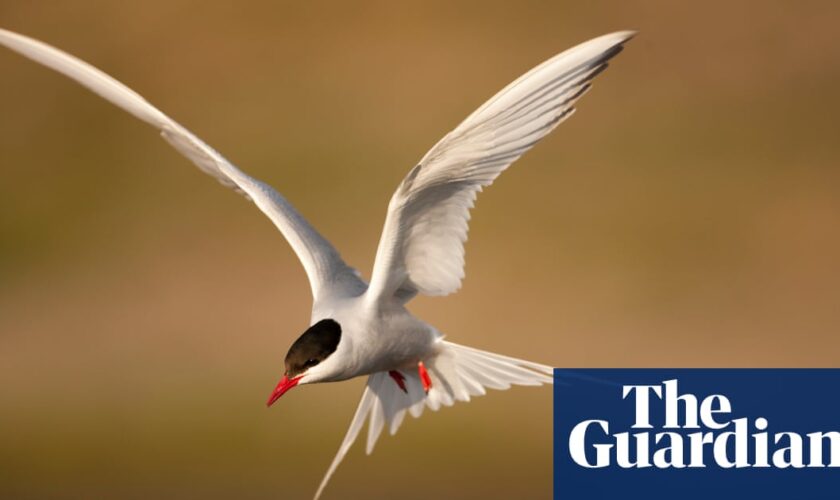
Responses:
[697,434]
[706,423]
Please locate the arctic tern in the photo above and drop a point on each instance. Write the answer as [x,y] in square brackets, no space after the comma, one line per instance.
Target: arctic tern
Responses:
[364,329]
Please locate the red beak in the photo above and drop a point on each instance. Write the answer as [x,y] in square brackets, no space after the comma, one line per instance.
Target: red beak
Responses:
[285,384]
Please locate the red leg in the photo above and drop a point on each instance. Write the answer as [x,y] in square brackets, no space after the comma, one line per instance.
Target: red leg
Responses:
[424,377]
[399,378]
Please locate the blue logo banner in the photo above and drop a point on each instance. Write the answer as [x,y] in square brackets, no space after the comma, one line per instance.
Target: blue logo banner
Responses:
[696,434]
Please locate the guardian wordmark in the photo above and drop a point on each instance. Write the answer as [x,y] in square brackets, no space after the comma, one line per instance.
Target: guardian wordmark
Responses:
[692,426]
[697,434]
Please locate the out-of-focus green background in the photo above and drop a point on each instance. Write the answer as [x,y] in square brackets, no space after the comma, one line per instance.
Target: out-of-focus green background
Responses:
[686,216]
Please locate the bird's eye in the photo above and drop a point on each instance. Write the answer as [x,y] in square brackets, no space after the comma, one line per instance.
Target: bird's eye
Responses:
[311,362]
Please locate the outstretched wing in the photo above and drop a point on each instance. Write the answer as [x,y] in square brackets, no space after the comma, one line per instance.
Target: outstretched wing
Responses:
[458,373]
[326,270]
[422,244]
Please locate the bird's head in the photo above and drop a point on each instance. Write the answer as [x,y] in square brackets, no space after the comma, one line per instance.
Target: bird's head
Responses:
[305,359]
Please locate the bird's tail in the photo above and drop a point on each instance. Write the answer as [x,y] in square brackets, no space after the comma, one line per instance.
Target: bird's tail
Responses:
[460,372]
[457,373]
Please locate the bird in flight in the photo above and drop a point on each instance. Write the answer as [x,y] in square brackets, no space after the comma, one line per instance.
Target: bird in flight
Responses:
[364,329]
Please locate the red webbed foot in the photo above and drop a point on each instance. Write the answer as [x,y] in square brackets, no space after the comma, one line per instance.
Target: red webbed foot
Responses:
[399,378]
[424,377]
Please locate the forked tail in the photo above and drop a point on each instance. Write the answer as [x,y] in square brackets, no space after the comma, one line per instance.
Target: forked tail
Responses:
[457,372]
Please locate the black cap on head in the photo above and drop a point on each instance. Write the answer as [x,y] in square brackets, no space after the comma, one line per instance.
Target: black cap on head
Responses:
[314,346]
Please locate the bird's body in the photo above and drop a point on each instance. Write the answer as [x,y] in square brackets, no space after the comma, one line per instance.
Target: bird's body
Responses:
[364,329]
[374,339]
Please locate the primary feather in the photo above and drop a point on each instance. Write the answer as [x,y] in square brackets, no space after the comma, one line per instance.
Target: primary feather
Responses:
[422,244]
[327,272]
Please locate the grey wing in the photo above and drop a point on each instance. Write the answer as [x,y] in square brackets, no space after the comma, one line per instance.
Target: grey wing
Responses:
[422,244]
[327,272]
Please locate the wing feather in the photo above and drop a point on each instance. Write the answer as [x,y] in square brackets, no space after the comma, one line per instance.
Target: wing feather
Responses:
[421,249]
[324,267]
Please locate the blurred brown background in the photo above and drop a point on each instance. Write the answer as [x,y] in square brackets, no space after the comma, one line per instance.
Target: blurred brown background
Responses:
[686,216]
